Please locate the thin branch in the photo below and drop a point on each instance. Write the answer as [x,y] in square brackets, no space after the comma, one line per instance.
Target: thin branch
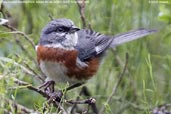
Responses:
[51,17]
[89,26]
[15,31]
[116,86]
[25,50]
[42,78]
[25,69]
[121,63]
[81,7]
[19,107]
[87,101]
[56,100]
[4,12]
[20,33]
[29,86]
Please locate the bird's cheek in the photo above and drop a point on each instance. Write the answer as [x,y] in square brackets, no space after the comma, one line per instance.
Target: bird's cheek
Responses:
[68,37]
[60,34]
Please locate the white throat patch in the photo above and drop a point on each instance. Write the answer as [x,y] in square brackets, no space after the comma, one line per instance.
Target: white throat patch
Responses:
[68,44]
[72,39]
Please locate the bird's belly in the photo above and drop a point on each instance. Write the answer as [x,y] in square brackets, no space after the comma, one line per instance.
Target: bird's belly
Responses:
[57,72]
[63,65]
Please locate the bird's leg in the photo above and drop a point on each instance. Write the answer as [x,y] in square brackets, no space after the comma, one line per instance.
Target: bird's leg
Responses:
[56,96]
[53,98]
[49,86]
[74,86]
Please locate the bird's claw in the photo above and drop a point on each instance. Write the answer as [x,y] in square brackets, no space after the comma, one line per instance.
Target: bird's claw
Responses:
[55,97]
[48,86]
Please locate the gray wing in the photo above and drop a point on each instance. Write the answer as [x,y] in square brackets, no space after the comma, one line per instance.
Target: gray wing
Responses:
[91,44]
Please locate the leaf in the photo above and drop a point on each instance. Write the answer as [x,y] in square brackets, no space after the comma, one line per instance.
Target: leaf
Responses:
[164,14]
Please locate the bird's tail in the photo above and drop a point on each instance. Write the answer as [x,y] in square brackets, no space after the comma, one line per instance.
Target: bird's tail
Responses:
[129,36]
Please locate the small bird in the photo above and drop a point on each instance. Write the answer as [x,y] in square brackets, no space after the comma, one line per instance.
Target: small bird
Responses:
[66,53]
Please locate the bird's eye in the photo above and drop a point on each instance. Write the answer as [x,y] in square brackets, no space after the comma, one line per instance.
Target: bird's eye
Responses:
[60,29]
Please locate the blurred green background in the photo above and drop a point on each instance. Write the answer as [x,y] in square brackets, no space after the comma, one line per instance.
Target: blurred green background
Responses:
[145,85]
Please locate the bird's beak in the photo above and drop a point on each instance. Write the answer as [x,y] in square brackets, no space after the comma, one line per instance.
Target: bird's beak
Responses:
[74,29]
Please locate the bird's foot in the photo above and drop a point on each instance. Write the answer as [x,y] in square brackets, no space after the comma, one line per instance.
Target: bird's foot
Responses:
[54,97]
[48,86]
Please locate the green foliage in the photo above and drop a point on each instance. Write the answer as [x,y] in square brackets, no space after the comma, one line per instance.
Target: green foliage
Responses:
[165,13]
[147,82]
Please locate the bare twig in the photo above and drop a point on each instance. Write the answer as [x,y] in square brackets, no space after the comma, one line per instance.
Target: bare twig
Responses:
[20,33]
[15,31]
[86,92]
[25,69]
[4,12]
[29,86]
[42,78]
[89,26]
[25,50]
[121,63]
[51,17]
[62,109]
[20,108]
[56,100]
[87,101]
[81,7]
[116,85]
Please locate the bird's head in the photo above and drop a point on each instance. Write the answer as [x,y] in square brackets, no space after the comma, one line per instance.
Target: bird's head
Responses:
[59,33]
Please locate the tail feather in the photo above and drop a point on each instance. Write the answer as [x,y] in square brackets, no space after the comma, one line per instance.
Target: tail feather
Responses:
[129,36]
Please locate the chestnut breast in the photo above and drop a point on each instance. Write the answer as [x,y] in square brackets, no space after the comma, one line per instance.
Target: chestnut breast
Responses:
[64,64]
